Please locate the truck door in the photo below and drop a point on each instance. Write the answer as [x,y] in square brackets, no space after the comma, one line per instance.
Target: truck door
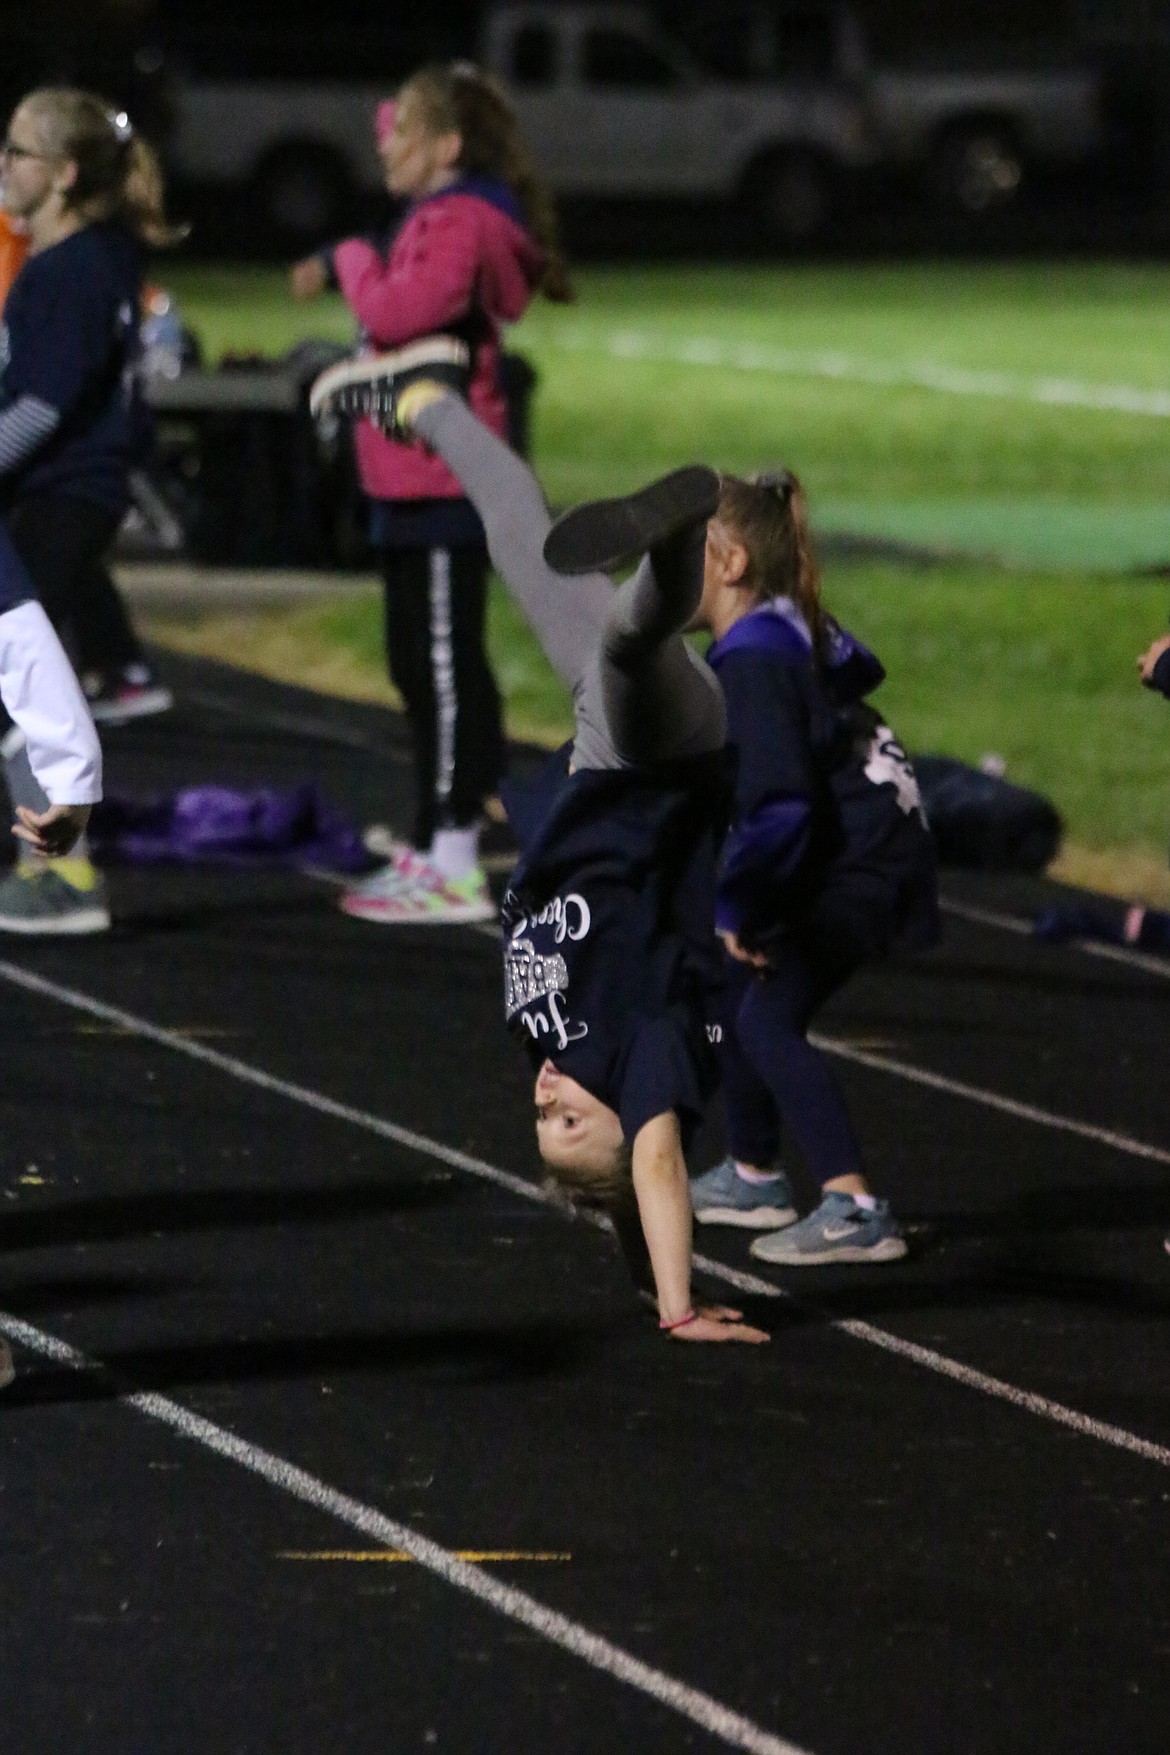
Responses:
[633,106]
[531,56]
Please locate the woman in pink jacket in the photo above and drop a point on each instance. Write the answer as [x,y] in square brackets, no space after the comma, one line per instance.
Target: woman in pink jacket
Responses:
[475,244]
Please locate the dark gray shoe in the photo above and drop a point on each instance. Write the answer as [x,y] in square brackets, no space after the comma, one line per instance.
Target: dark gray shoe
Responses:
[603,534]
[369,387]
[40,900]
[839,1230]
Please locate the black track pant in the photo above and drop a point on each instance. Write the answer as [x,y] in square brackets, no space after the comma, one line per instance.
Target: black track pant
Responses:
[63,541]
[436,600]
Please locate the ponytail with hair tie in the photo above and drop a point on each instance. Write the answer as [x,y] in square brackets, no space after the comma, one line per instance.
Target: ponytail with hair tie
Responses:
[769,515]
[118,176]
[780,482]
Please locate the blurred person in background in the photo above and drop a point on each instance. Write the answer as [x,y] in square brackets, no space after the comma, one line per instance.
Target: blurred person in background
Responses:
[89,193]
[477,240]
[1136,927]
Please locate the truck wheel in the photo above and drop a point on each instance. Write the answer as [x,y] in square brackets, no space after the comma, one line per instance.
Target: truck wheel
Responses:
[978,169]
[788,198]
[301,194]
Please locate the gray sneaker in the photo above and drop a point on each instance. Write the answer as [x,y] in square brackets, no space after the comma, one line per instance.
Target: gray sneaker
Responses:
[37,899]
[839,1230]
[7,1368]
[722,1197]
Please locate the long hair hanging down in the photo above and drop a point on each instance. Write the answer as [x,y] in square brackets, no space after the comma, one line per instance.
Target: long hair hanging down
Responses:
[769,514]
[463,98]
[118,173]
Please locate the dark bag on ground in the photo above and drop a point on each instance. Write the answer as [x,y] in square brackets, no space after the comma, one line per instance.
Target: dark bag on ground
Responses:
[980,820]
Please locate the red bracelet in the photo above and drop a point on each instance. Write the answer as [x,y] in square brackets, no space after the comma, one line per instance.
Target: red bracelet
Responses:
[690,1316]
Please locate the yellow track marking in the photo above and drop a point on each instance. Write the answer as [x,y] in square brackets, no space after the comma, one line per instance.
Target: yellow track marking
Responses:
[480,1556]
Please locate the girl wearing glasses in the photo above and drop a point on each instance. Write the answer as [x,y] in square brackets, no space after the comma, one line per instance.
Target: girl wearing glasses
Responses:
[88,195]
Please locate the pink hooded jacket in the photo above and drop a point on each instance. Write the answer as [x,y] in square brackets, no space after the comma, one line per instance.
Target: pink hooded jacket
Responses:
[462,263]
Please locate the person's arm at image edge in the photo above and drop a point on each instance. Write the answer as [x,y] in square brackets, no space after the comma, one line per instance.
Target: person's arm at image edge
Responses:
[1154,666]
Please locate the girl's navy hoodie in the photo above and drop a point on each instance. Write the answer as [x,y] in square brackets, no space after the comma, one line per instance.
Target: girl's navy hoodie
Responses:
[827,821]
[611,968]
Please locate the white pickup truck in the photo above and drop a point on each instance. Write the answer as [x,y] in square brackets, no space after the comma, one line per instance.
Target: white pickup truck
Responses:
[612,107]
[973,124]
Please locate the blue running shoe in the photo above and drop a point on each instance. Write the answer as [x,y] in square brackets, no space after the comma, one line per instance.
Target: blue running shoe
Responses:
[839,1230]
[722,1197]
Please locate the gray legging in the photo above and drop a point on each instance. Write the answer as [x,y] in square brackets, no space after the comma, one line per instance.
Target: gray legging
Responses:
[640,694]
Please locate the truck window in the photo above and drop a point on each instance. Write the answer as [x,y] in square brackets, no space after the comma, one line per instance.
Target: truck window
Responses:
[615,58]
[534,56]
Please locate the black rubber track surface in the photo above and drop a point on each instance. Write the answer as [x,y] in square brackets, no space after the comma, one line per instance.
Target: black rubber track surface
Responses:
[850,1549]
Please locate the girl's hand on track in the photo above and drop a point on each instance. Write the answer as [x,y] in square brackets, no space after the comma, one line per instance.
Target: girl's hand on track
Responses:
[715,1322]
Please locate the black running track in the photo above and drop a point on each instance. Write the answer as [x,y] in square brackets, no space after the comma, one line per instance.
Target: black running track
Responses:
[296,1335]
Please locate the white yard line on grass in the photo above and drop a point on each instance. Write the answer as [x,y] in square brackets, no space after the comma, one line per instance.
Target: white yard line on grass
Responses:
[954,1369]
[590,1648]
[784,362]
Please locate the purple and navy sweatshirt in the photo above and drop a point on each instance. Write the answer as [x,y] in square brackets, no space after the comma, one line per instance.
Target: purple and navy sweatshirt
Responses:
[827,819]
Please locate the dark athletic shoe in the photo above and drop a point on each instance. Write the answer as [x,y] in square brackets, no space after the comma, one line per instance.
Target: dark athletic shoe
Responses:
[604,534]
[39,900]
[368,388]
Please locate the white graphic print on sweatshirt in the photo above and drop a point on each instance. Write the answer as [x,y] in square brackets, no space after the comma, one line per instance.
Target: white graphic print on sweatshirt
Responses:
[536,975]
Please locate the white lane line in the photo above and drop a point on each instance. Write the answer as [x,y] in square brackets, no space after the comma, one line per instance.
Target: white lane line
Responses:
[1025,1399]
[784,362]
[1015,923]
[131,1025]
[917,1075]
[590,1648]
[735,1277]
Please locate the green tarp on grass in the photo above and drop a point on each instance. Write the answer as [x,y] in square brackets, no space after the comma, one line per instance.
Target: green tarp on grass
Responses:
[1035,533]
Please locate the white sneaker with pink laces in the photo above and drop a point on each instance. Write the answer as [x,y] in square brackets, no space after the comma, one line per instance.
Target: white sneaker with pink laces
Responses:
[410,891]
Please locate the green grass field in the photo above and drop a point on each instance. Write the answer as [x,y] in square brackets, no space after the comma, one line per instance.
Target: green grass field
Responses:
[1014,420]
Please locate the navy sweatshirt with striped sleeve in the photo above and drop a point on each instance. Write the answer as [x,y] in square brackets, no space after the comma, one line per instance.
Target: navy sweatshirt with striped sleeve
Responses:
[72,420]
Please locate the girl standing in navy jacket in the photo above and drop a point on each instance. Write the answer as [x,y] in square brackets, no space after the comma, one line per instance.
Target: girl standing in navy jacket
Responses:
[828,864]
[72,424]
